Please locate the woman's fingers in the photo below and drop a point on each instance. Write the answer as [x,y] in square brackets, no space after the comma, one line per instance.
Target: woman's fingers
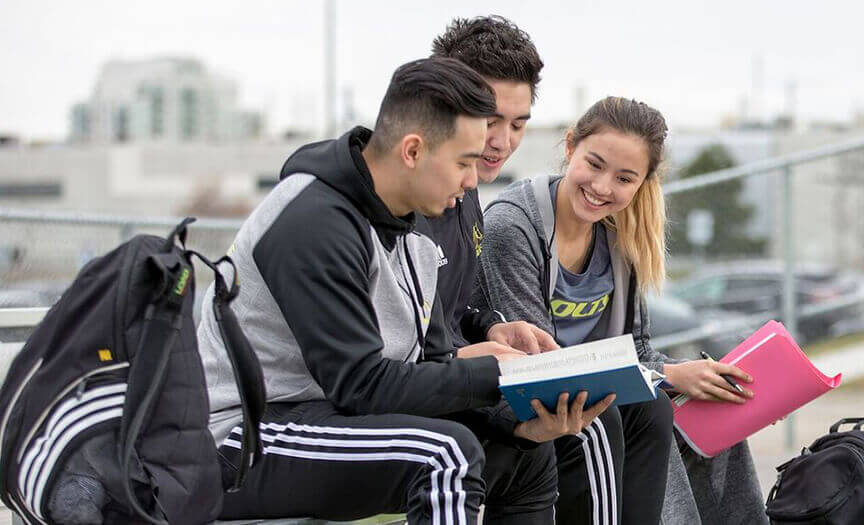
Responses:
[718,380]
[734,371]
[713,392]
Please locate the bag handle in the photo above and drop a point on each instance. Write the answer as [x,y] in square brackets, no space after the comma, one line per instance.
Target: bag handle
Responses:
[178,233]
[859,421]
[244,363]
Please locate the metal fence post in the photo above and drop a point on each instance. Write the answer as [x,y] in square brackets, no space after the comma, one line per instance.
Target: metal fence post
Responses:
[127,231]
[790,307]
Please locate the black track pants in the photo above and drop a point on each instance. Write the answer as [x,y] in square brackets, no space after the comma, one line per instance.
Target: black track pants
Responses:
[321,464]
[615,470]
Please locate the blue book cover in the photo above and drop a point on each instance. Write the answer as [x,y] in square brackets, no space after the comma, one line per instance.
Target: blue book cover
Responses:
[599,368]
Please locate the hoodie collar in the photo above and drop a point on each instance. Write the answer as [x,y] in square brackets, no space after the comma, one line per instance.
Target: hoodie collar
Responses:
[340,164]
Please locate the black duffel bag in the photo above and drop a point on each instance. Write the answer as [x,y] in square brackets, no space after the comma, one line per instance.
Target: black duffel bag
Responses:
[825,484]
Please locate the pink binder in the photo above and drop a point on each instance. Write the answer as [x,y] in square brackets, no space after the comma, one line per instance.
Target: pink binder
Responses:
[783,380]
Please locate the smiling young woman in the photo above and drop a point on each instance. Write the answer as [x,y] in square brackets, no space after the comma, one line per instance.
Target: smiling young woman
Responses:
[574,255]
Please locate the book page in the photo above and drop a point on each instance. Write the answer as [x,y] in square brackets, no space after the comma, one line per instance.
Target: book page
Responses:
[605,354]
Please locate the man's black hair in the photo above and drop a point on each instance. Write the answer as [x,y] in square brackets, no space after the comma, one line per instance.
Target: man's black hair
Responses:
[494,47]
[425,96]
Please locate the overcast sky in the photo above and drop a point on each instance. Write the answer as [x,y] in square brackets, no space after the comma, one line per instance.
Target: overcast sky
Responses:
[694,60]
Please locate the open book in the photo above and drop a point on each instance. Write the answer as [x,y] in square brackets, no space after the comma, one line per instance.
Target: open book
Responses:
[599,367]
[783,380]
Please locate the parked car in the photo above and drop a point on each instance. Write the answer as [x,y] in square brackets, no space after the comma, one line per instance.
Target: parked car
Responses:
[756,287]
[681,332]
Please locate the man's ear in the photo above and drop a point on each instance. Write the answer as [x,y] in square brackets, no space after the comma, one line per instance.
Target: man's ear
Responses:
[411,148]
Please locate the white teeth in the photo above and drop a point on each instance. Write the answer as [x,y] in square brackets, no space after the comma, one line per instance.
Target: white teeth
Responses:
[592,200]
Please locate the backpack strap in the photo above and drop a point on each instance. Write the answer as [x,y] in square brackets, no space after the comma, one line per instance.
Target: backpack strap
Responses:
[162,324]
[244,363]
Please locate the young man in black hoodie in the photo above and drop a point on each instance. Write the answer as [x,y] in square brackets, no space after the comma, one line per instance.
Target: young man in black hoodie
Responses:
[506,58]
[338,298]
[591,484]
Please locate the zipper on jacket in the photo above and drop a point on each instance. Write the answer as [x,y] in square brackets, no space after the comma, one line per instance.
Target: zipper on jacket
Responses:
[415,293]
[74,384]
[463,235]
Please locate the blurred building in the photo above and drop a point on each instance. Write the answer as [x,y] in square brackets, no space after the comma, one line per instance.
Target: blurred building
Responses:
[158,178]
[162,100]
[827,199]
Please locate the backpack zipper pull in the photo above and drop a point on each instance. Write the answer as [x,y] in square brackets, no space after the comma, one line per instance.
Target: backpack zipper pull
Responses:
[79,391]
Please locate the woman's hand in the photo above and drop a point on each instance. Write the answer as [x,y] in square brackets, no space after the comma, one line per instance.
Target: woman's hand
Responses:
[547,426]
[702,380]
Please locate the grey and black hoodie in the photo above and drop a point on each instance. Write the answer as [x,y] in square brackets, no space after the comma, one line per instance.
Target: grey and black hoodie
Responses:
[338,299]
[519,268]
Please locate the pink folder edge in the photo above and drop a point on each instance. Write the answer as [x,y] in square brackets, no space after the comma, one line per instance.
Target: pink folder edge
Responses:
[752,343]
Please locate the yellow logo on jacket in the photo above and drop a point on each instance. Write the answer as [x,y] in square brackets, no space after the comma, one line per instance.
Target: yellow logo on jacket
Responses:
[427,313]
[561,308]
[477,235]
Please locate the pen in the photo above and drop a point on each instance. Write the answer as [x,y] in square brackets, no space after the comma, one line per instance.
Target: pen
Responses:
[724,376]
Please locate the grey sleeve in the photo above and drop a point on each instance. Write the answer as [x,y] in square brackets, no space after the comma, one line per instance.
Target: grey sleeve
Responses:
[344,356]
[642,337]
[510,279]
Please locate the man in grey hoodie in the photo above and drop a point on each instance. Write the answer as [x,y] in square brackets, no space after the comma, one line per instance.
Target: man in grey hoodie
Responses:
[338,297]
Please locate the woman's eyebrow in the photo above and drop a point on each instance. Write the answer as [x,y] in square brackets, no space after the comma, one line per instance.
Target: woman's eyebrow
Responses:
[601,159]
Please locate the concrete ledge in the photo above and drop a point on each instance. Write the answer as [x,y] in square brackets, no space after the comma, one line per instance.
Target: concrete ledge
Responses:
[380,520]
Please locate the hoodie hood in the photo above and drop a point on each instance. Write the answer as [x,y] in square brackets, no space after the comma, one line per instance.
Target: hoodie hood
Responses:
[533,198]
[339,163]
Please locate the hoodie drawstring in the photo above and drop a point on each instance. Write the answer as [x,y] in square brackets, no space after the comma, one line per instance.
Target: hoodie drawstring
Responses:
[416,300]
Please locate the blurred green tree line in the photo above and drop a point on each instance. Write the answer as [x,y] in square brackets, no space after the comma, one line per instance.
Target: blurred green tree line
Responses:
[722,201]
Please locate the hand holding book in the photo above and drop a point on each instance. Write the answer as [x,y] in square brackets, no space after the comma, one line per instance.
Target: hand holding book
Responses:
[565,420]
[598,368]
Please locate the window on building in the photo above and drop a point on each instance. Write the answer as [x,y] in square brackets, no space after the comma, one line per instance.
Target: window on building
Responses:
[30,190]
[157,112]
[121,124]
[266,182]
[189,126]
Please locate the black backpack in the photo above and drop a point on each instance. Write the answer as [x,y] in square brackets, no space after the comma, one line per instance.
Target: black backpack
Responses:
[825,484]
[105,409]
